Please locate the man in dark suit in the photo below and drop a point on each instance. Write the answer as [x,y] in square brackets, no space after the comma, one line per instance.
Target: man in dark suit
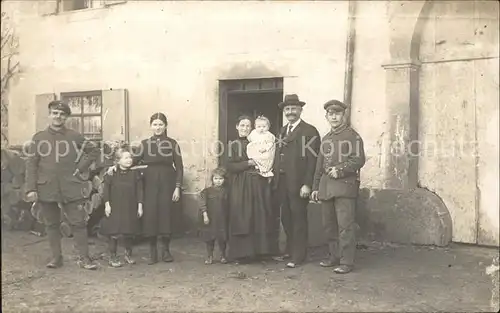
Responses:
[336,185]
[297,150]
[57,156]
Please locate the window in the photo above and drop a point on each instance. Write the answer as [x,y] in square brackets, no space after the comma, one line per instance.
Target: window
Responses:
[72,5]
[98,115]
[86,113]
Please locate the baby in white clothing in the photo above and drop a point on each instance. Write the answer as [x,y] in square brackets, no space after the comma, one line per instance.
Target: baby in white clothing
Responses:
[262,146]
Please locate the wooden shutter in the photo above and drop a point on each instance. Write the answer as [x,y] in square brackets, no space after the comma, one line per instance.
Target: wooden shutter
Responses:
[42,110]
[115,124]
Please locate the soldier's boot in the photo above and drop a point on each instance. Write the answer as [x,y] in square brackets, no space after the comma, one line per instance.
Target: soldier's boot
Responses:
[54,236]
[55,263]
[114,261]
[166,256]
[86,263]
[153,251]
[332,259]
[343,269]
[82,245]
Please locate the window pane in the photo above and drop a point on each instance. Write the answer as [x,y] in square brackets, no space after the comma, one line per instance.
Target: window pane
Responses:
[92,104]
[73,123]
[92,124]
[75,104]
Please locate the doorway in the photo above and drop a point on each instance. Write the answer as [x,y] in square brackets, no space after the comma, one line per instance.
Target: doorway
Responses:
[252,97]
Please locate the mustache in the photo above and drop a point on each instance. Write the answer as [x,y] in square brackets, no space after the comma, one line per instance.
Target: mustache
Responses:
[290,114]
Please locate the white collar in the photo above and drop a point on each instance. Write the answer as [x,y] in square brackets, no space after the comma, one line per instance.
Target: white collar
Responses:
[294,124]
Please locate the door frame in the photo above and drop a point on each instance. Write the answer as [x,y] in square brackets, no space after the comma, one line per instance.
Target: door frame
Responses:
[240,86]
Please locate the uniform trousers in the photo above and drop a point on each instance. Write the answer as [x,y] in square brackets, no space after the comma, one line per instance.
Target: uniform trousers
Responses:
[340,228]
[77,219]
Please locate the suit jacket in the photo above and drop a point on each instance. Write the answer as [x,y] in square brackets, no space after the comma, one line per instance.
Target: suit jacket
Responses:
[52,158]
[296,155]
[345,152]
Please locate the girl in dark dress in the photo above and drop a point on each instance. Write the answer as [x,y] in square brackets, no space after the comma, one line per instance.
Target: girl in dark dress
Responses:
[162,186]
[123,197]
[250,215]
[214,214]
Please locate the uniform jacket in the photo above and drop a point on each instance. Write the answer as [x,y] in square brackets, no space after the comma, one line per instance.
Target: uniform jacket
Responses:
[296,155]
[52,158]
[344,151]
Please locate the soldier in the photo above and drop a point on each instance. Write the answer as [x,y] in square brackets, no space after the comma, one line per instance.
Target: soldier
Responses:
[298,146]
[336,185]
[53,179]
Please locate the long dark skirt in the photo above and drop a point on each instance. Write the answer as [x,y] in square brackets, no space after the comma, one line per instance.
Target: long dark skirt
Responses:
[250,217]
[159,186]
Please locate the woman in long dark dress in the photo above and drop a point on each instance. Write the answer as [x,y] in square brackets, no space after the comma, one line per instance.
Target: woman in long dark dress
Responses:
[162,186]
[250,216]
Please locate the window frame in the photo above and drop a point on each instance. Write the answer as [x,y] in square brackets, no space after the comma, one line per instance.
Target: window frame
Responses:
[61,5]
[91,4]
[65,95]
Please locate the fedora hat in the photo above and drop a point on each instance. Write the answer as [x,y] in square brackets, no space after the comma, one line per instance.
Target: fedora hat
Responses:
[292,99]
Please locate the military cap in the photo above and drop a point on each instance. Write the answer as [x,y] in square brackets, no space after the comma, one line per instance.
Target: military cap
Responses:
[292,99]
[60,105]
[335,105]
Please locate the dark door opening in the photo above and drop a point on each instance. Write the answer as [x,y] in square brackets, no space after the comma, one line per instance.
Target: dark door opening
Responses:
[251,97]
[253,105]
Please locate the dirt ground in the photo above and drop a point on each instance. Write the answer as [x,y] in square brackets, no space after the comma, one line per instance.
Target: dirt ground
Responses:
[388,278]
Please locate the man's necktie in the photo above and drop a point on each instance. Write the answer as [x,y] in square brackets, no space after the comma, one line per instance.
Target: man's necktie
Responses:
[289,129]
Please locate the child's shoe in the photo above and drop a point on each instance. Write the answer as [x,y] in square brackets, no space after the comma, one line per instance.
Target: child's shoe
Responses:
[209,260]
[128,257]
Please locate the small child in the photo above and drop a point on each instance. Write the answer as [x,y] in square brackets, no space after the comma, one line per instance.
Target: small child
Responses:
[262,146]
[214,215]
[123,197]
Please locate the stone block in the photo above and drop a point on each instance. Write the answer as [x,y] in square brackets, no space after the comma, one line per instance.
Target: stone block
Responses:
[415,216]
